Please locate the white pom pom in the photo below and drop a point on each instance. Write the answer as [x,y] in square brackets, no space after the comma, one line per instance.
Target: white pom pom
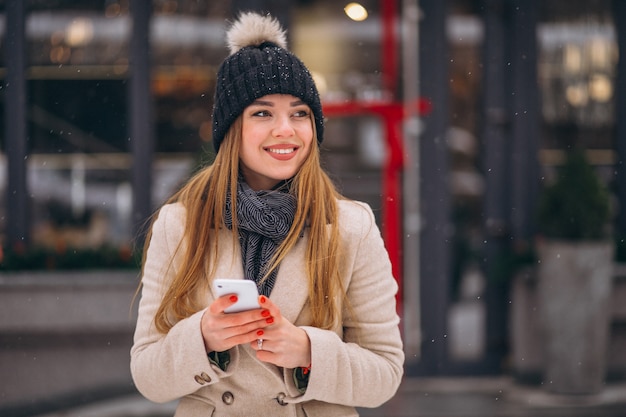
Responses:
[252,29]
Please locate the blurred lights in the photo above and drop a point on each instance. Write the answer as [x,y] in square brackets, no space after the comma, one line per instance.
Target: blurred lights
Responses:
[116,8]
[599,53]
[600,88]
[79,32]
[580,79]
[577,95]
[585,68]
[60,54]
[572,59]
[355,12]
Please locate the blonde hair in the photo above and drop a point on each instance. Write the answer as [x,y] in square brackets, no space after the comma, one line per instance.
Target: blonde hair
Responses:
[204,198]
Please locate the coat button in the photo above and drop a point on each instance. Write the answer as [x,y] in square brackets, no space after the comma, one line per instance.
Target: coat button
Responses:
[228,398]
[203,378]
[280,398]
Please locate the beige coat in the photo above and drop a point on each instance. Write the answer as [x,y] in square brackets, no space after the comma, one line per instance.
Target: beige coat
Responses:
[358,365]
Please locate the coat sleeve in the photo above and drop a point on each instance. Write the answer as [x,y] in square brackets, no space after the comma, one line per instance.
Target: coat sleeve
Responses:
[364,367]
[168,366]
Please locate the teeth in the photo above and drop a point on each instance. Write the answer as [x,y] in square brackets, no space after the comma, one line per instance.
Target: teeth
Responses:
[282,151]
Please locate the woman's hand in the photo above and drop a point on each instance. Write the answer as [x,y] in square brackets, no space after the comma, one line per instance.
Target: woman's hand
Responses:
[284,344]
[221,331]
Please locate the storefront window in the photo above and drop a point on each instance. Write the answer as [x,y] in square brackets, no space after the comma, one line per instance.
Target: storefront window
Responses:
[77,167]
[576,69]
[78,69]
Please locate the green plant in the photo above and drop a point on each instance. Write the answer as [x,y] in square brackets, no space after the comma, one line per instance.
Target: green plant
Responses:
[577,205]
[64,258]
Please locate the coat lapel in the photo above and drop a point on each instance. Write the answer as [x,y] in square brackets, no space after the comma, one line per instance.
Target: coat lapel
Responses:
[229,264]
[291,289]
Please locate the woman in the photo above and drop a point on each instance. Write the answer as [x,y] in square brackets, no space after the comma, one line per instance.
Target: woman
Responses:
[326,337]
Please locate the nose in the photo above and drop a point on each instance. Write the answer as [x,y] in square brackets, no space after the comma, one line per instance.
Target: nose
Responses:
[283,127]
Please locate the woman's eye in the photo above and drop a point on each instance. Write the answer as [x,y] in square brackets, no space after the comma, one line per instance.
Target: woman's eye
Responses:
[301,113]
[261,113]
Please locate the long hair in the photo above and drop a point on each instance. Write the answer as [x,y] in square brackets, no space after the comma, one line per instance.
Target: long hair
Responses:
[204,197]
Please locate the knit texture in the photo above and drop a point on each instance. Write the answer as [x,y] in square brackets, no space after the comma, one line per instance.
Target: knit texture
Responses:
[255,71]
[264,219]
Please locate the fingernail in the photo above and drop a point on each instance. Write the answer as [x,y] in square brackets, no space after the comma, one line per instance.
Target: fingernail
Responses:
[263,299]
[233,298]
[259,333]
[269,320]
[265,313]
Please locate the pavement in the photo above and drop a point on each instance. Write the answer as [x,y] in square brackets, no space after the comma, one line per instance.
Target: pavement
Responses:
[427,397]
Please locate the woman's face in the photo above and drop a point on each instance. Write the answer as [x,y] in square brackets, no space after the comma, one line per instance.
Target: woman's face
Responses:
[277,133]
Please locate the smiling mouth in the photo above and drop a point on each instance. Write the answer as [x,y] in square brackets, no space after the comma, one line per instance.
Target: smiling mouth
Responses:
[281,151]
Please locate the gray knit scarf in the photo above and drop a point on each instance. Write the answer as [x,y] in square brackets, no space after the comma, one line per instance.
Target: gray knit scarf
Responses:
[264,219]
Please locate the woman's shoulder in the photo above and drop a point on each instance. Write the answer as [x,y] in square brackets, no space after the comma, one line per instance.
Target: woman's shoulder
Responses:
[172,212]
[170,219]
[347,206]
[356,216]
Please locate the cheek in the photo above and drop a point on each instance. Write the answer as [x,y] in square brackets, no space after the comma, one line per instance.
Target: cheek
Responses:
[305,133]
[251,140]
[308,147]
[249,134]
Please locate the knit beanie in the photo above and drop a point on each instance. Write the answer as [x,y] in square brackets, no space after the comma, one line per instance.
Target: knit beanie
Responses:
[259,64]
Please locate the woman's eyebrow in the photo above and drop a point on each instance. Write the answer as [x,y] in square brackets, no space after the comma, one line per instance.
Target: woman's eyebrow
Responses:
[262,103]
[271,104]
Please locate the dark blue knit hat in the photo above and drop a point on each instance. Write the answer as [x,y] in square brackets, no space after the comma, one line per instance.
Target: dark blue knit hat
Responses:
[259,65]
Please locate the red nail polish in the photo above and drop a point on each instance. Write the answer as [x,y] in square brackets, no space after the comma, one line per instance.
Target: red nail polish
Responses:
[269,320]
[259,333]
[262,299]
[265,313]
[233,298]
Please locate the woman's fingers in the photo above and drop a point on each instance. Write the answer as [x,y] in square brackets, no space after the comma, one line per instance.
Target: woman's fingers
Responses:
[222,303]
[273,312]
[283,343]
[221,331]
[288,350]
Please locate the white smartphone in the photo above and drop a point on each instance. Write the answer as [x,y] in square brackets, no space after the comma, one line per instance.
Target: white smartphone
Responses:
[246,290]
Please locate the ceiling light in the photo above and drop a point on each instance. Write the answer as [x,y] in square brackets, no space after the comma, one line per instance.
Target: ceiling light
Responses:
[355,12]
